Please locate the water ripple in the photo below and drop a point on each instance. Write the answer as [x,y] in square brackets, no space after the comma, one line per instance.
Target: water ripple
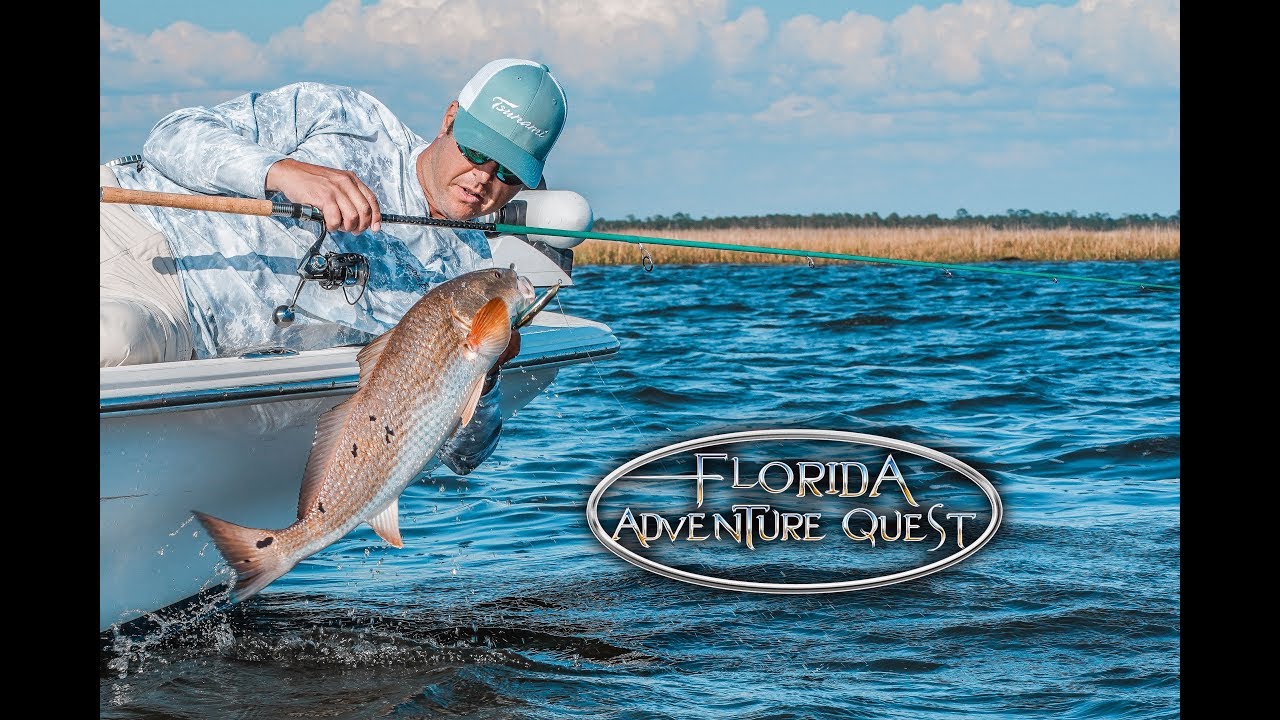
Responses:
[502,604]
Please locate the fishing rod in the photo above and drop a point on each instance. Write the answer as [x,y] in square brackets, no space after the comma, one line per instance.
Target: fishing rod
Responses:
[331,270]
[294,210]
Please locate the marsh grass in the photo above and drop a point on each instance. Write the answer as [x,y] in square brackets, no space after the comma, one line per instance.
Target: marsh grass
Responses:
[949,245]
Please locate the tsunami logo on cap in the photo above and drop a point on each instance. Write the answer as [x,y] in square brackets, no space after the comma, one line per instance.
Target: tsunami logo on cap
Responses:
[513,111]
[508,108]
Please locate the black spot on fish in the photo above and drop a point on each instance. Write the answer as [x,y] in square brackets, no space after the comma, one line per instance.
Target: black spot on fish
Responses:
[354,452]
[372,418]
[265,542]
[321,507]
[390,432]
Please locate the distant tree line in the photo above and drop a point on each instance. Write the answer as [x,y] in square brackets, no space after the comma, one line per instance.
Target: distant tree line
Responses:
[1011,219]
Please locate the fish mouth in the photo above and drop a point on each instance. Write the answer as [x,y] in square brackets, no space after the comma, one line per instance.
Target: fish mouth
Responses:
[525,316]
[525,287]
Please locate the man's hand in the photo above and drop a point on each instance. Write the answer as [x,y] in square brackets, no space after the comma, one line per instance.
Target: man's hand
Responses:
[513,349]
[346,202]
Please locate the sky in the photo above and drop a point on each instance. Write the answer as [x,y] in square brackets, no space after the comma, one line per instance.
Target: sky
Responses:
[726,107]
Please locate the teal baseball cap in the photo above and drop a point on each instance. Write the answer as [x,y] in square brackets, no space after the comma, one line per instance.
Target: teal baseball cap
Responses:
[512,111]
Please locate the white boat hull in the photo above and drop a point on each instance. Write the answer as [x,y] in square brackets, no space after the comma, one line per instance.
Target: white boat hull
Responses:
[230,437]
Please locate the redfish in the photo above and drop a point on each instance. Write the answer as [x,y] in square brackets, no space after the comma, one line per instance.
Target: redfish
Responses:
[419,383]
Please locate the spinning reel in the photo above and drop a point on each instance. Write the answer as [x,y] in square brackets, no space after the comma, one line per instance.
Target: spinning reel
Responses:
[333,270]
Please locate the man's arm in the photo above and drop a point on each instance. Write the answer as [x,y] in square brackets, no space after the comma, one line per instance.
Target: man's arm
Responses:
[473,443]
[242,147]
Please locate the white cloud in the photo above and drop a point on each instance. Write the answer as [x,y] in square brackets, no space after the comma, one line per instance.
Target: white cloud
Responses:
[846,54]
[734,43]
[812,116]
[629,46]
[657,88]
[981,42]
[181,56]
[627,43]
[447,39]
[951,99]
[589,142]
[1081,97]
[789,109]
[145,109]
[617,44]
[1133,41]
[942,47]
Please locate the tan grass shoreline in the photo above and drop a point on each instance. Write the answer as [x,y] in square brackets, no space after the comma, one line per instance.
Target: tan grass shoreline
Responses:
[948,245]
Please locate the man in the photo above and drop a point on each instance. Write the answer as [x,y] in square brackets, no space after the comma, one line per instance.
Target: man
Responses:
[178,284]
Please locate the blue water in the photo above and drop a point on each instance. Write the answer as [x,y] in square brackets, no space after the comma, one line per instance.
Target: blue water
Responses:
[502,604]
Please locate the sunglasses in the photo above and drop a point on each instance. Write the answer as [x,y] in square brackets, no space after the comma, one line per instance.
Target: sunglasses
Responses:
[478,158]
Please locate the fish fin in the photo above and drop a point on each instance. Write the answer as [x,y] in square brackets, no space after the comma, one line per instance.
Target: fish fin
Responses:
[249,552]
[473,399]
[368,357]
[387,524]
[490,329]
[328,430]
[459,322]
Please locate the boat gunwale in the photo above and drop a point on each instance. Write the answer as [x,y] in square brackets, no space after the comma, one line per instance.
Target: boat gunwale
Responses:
[223,395]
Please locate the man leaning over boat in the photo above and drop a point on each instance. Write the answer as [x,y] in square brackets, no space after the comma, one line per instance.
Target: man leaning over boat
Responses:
[181,284]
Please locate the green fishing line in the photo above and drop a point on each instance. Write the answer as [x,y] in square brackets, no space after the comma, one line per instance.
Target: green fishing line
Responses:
[525,230]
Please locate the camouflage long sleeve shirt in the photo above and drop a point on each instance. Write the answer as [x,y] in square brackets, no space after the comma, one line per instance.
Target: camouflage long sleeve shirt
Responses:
[236,269]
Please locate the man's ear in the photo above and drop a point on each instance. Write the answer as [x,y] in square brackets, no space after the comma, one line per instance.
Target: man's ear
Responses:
[447,123]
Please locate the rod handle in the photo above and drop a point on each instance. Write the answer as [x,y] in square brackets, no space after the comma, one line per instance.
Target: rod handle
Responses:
[242,206]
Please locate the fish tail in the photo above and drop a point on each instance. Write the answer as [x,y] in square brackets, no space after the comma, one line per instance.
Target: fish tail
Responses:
[254,554]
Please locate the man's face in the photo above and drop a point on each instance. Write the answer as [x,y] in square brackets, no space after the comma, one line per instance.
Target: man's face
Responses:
[455,187]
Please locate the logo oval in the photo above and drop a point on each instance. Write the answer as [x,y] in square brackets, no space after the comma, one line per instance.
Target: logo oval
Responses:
[794,435]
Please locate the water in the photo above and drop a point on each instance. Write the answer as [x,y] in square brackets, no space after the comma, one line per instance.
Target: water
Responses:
[502,604]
